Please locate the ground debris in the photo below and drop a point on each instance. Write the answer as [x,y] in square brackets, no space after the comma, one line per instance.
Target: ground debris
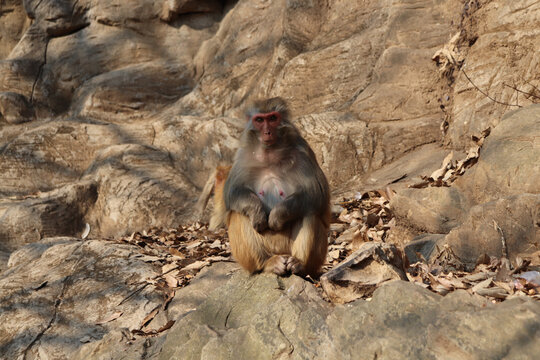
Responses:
[365,218]
[450,170]
[493,279]
[180,253]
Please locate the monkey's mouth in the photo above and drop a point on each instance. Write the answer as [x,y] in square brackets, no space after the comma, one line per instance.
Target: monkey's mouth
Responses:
[268,138]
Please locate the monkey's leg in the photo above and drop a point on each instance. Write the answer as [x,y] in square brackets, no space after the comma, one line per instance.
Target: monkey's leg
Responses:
[247,245]
[256,252]
[310,245]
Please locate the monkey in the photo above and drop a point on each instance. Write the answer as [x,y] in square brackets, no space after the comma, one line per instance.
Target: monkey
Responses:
[219,214]
[276,197]
[215,184]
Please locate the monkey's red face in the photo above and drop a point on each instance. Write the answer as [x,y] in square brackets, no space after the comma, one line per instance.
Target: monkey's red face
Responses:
[267,125]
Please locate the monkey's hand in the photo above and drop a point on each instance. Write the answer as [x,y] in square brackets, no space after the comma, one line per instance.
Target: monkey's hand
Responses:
[258,219]
[278,217]
[254,210]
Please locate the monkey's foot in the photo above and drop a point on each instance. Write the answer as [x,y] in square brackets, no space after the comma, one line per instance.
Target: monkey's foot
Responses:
[284,265]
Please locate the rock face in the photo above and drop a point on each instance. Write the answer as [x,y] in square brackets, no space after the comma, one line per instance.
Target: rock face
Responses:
[500,190]
[95,85]
[265,317]
[114,113]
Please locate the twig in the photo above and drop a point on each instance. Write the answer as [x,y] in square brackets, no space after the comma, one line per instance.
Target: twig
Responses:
[145,284]
[133,293]
[528,82]
[521,91]
[486,94]
[503,240]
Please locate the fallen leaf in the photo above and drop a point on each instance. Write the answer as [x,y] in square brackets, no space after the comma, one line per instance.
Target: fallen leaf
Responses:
[149,317]
[114,316]
[197,265]
[171,280]
[495,292]
[482,285]
[334,254]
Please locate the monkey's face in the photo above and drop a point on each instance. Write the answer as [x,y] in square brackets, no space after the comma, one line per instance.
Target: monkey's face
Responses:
[267,125]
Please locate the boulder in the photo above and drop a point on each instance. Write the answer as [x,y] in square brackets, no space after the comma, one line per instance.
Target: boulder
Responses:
[265,317]
[508,162]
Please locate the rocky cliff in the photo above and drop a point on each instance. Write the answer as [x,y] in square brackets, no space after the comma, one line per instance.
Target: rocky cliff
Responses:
[114,113]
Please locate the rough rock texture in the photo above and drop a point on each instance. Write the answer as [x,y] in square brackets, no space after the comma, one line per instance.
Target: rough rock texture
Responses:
[51,285]
[499,62]
[265,317]
[502,189]
[114,113]
[93,80]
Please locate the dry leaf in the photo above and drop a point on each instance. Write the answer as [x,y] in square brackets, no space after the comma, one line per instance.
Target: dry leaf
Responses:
[176,253]
[482,285]
[168,267]
[495,292]
[114,316]
[334,254]
[197,265]
[171,280]
[193,245]
[149,317]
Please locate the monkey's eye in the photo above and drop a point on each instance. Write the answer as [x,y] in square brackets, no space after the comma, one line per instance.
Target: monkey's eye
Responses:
[272,118]
[259,119]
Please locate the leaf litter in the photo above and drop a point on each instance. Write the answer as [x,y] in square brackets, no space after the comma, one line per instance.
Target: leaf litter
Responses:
[450,170]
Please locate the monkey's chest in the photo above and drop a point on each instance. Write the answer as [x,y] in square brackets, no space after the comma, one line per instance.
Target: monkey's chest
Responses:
[271,190]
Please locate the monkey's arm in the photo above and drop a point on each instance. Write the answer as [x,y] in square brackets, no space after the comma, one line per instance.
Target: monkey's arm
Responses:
[311,197]
[241,199]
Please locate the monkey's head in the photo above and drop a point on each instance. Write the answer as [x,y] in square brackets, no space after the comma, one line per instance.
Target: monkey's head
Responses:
[266,120]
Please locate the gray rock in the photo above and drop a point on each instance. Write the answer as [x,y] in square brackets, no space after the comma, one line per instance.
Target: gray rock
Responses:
[265,317]
[508,163]
[433,209]
[425,245]
[517,216]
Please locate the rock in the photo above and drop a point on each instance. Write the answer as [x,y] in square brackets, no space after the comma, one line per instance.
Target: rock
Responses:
[372,265]
[133,92]
[274,327]
[185,302]
[265,317]
[138,188]
[15,108]
[51,284]
[501,71]
[13,23]
[59,212]
[433,209]
[173,8]
[47,291]
[423,247]
[517,216]
[508,163]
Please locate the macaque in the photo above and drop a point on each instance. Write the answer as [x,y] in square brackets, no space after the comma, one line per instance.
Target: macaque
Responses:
[215,184]
[276,197]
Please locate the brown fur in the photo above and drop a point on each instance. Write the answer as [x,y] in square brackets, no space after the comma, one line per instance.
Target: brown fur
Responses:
[306,240]
[220,212]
